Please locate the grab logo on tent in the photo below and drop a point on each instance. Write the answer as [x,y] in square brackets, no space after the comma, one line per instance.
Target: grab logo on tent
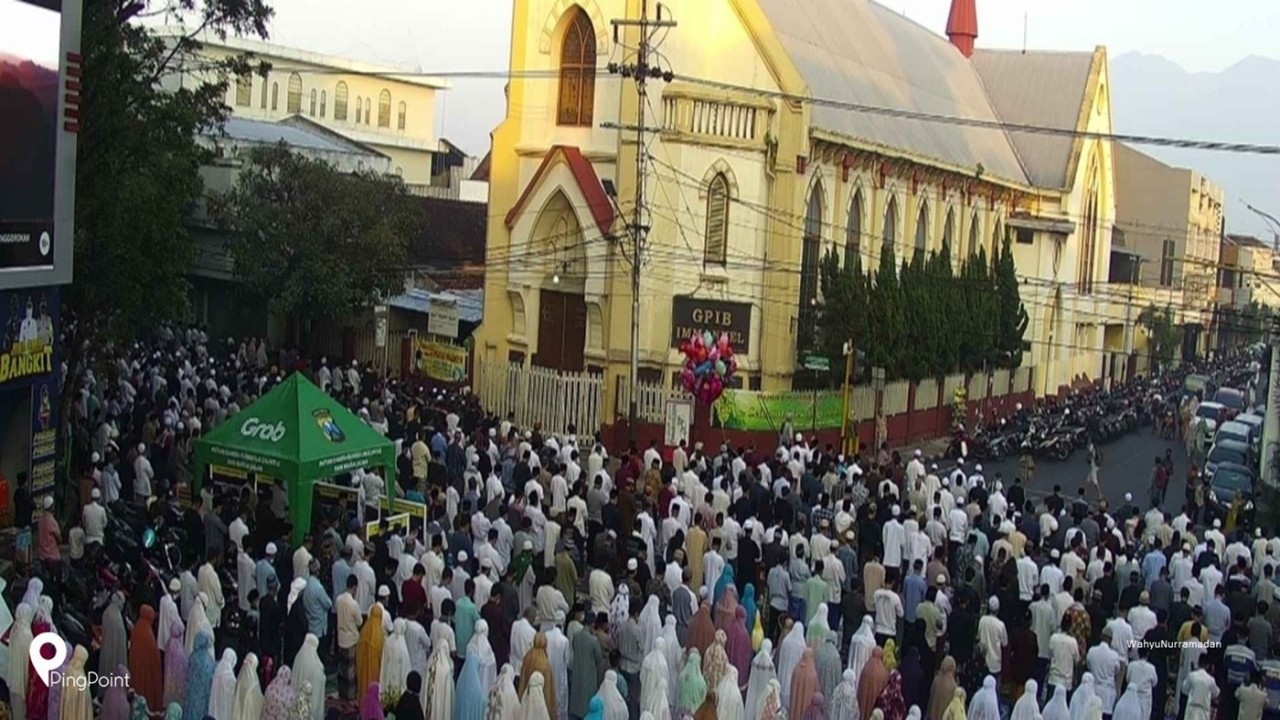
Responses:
[253,427]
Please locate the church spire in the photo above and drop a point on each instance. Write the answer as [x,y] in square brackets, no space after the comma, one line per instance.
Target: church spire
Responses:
[962,25]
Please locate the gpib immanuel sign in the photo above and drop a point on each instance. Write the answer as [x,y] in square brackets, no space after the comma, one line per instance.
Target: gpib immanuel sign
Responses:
[300,435]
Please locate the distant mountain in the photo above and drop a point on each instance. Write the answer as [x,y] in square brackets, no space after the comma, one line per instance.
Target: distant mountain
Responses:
[28,123]
[1152,95]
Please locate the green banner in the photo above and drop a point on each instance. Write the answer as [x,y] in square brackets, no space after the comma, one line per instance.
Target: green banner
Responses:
[752,410]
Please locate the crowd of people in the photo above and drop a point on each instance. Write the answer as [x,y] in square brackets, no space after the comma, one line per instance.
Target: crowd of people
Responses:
[555,578]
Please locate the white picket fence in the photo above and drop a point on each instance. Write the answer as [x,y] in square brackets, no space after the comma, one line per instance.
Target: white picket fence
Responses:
[651,399]
[553,398]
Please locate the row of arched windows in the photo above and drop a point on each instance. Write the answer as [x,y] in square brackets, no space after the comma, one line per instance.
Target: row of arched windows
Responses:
[317,105]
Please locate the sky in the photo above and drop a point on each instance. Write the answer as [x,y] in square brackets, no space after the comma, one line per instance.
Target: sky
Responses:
[30,32]
[437,36]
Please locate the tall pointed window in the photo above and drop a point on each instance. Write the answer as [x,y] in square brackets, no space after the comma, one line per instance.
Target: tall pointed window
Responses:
[293,104]
[975,239]
[717,240]
[324,97]
[264,92]
[244,90]
[340,102]
[359,108]
[384,109]
[948,231]
[853,231]
[275,96]
[812,247]
[312,110]
[922,230]
[404,111]
[889,238]
[368,111]
[577,71]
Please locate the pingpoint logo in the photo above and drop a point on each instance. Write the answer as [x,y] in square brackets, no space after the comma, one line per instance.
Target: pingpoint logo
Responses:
[253,427]
[48,668]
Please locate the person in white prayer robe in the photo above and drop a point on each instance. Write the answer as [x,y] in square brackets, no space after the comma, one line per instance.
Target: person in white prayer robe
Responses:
[522,634]
[1129,707]
[793,646]
[419,644]
[169,614]
[1081,698]
[729,702]
[1027,707]
[1201,691]
[1142,678]
[561,655]
[1105,663]
[654,675]
[985,704]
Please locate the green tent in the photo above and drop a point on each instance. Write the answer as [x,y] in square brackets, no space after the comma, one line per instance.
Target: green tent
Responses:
[296,434]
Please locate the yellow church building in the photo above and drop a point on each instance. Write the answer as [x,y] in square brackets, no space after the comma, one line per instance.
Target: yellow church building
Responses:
[787,128]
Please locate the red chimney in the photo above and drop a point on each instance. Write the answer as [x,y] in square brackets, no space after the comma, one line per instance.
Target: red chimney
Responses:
[962,25]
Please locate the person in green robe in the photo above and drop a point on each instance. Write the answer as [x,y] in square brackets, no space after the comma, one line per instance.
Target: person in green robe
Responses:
[816,592]
[587,667]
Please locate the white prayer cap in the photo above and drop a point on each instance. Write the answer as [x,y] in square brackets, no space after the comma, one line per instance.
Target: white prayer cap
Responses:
[493,432]
[799,437]
[918,453]
[1128,497]
[142,447]
[978,467]
[486,563]
[960,461]
[47,502]
[999,486]
[175,585]
[95,458]
[462,556]
[1006,527]
[702,592]
[934,467]
[632,564]
[941,579]
[1217,523]
[994,603]
[559,616]
[749,524]
[1055,554]
[95,494]
[271,548]
[528,545]
[896,510]
[1257,532]
[384,591]
[946,482]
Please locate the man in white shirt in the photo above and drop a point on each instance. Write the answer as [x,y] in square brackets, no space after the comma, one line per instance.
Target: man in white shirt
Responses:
[1201,690]
[94,519]
[237,531]
[1105,664]
[1141,617]
[1028,578]
[1210,577]
[1121,637]
[889,611]
[1064,655]
[894,536]
[349,618]
[142,475]
[363,572]
[915,469]
[992,638]
[1044,623]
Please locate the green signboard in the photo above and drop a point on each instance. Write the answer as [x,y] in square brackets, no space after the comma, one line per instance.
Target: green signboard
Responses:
[751,410]
[817,363]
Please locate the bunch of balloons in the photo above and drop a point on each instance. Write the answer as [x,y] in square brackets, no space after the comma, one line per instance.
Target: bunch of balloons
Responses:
[708,365]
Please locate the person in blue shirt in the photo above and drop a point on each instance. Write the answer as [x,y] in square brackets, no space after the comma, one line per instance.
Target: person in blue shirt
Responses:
[1152,562]
[317,604]
[340,570]
[914,588]
[264,570]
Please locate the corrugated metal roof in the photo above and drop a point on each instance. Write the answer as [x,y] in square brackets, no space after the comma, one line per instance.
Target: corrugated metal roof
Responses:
[1038,88]
[470,302]
[270,133]
[860,52]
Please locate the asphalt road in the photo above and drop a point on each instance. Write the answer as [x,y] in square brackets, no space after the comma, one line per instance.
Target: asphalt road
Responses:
[1126,467]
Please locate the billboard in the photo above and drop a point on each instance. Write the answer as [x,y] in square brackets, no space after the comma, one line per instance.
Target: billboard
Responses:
[28,329]
[37,153]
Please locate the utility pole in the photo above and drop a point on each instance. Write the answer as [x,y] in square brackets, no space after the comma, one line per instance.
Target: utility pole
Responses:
[638,229]
[849,351]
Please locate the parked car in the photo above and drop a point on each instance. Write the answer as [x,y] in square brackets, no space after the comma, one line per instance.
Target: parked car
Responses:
[1229,479]
[1255,422]
[1201,385]
[1227,451]
[1207,418]
[1233,430]
[1232,399]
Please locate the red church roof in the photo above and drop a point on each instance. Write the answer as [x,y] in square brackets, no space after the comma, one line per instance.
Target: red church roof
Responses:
[588,182]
